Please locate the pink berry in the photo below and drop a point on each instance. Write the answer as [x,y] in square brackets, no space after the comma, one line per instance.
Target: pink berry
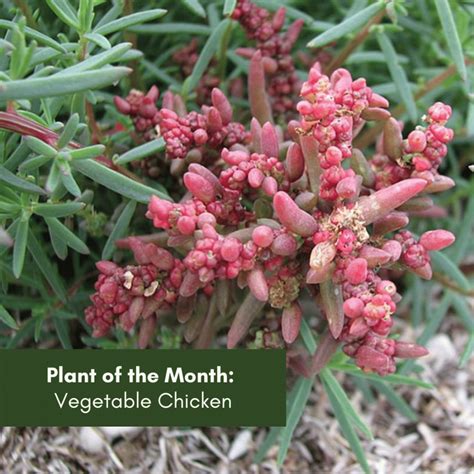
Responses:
[230,250]
[440,112]
[262,236]
[200,136]
[353,307]
[304,107]
[441,133]
[206,218]
[270,186]
[356,271]
[417,141]
[386,287]
[333,155]
[186,225]
[255,178]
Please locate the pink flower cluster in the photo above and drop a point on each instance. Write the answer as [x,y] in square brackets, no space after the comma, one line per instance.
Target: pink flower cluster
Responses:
[419,155]
[269,227]
[186,57]
[275,47]
[331,112]
[212,128]
[135,292]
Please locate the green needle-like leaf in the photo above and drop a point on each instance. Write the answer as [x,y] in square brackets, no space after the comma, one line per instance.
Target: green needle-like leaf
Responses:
[119,229]
[293,416]
[69,182]
[44,264]
[195,7]
[59,245]
[116,182]
[444,265]
[468,350]
[130,20]
[69,131]
[329,379]
[275,432]
[58,85]
[62,330]
[142,151]
[19,248]
[59,209]
[99,40]
[229,7]
[172,28]
[35,35]
[351,25]
[23,332]
[7,319]
[464,311]
[33,163]
[451,34]
[87,152]
[63,233]
[393,378]
[205,57]
[40,147]
[345,423]
[64,11]
[9,178]
[396,400]
[98,61]
[398,75]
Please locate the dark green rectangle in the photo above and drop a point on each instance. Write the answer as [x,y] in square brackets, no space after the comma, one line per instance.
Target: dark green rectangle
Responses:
[252,391]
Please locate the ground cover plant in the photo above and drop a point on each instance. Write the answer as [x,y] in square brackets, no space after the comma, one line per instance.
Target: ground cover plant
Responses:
[239,174]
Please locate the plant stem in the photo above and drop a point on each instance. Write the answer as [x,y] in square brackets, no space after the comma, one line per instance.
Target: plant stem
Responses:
[452,286]
[26,11]
[326,348]
[93,126]
[352,45]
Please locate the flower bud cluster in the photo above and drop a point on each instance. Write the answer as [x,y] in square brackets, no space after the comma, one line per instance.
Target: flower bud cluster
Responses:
[331,110]
[212,128]
[186,58]
[419,155]
[254,171]
[268,226]
[215,256]
[125,295]
[275,47]
[427,146]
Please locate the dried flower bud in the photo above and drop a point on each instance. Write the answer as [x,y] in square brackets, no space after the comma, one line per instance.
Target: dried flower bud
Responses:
[291,323]
[407,350]
[392,139]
